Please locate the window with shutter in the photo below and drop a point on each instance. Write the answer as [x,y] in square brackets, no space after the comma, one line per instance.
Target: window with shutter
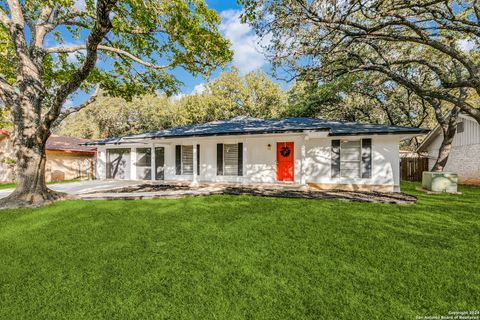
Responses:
[198,159]
[178,159]
[230,159]
[219,159]
[350,159]
[335,154]
[240,159]
[187,159]
[366,158]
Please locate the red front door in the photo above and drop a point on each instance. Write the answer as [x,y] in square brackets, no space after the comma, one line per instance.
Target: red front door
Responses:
[285,160]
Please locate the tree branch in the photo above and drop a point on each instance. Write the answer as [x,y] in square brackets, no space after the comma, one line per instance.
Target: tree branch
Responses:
[426,93]
[45,15]
[357,29]
[16,12]
[4,19]
[40,29]
[69,111]
[109,49]
[42,26]
[102,26]
[5,86]
[6,90]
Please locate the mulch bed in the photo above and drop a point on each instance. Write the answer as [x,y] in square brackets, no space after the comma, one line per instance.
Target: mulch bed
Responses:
[151,188]
[355,196]
[378,197]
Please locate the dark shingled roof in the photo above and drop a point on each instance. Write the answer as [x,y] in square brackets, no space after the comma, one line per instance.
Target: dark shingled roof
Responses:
[246,125]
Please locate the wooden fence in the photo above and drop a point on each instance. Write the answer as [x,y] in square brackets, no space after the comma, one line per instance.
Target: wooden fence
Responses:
[411,168]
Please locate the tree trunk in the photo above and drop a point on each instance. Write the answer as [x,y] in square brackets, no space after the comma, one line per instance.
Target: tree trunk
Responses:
[443,153]
[31,189]
[449,129]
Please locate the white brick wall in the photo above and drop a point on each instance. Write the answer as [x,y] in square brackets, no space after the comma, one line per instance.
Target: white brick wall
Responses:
[464,160]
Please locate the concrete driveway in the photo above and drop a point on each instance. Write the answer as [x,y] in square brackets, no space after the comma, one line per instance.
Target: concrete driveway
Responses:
[80,187]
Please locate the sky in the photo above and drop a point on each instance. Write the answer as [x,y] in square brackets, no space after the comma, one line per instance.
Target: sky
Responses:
[245,46]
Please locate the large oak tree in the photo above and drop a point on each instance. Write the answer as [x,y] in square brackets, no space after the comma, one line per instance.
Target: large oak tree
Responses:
[50,49]
[419,44]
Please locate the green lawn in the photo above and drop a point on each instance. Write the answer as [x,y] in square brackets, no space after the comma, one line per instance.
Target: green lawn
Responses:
[241,257]
[7,185]
[12,185]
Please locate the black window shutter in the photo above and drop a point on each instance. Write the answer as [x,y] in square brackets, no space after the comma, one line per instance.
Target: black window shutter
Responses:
[366,158]
[335,158]
[240,159]
[178,159]
[198,159]
[219,159]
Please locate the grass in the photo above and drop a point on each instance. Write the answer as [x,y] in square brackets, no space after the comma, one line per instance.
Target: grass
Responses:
[7,185]
[12,185]
[241,257]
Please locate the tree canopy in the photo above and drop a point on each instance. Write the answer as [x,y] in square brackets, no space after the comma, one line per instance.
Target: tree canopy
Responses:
[136,43]
[431,48]
[231,94]
[403,40]
[52,49]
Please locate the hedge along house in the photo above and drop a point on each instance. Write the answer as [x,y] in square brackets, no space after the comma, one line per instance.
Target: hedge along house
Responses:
[299,151]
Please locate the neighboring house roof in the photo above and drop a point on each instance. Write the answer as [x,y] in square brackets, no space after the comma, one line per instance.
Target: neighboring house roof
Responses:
[246,125]
[63,144]
[68,144]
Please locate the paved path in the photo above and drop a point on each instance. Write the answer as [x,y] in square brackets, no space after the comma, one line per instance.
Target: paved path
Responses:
[81,187]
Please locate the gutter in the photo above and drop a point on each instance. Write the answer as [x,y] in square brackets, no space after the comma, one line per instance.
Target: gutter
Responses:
[418,132]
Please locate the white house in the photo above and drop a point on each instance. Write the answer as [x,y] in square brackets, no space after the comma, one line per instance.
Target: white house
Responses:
[464,158]
[300,151]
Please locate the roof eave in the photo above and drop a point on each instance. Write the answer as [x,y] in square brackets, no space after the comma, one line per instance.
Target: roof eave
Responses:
[132,139]
[413,132]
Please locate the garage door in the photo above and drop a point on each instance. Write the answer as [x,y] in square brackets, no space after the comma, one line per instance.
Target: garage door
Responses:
[118,163]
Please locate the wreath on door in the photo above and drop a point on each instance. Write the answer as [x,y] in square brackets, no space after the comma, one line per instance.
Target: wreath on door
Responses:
[285,151]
